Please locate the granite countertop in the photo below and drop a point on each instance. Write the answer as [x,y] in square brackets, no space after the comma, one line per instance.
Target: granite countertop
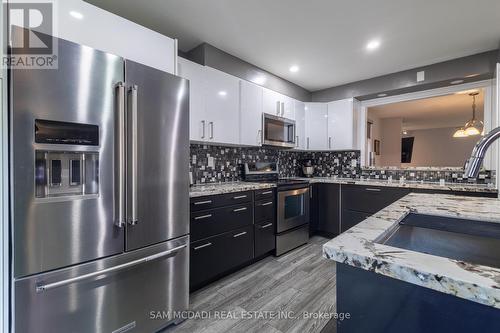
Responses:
[357,247]
[229,187]
[407,184]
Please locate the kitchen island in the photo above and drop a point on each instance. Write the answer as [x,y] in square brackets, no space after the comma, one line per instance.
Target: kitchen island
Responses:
[392,289]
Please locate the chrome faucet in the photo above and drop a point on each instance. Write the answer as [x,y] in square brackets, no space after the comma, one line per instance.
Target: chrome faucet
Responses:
[476,159]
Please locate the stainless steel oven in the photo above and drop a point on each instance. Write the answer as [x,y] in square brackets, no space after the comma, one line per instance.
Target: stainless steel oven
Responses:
[293,208]
[278,131]
[293,217]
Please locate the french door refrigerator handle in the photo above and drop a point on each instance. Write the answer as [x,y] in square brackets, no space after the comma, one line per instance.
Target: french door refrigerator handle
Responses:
[133,220]
[45,287]
[119,201]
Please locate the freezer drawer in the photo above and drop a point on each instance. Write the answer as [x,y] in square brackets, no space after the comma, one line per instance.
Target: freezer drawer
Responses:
[133,288]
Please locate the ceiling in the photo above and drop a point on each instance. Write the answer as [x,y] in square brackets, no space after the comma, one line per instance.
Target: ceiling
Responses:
[325,38]
[435,112]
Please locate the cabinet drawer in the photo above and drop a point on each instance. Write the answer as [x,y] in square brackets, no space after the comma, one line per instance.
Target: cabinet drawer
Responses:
[369,199]
[350,218]
[215,221]
[265,239]
[212,257]
[265,210]
[214,201]
[267,193]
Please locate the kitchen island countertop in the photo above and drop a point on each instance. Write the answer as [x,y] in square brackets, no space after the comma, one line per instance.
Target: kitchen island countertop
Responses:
[358,247]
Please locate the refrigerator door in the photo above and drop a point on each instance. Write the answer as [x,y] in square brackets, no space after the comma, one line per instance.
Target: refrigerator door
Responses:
[134,291]
[64,227]
[158,156]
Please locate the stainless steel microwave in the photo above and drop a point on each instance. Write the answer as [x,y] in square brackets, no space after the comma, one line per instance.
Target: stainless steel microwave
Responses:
[278,131]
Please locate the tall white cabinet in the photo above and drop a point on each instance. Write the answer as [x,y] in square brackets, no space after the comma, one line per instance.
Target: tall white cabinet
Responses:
[114,34]
[250,114]
[342,123]
[316,126]
[197,120]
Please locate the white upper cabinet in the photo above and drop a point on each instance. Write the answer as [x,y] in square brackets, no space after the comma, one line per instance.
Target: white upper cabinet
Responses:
[316,126]
[289,107]
[195,73]
[300,125]
[222,95]
[111,33]
[278,104]
[250,114]
[341,125]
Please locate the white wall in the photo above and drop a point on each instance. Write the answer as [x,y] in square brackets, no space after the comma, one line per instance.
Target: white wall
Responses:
[437,147]
[390,143]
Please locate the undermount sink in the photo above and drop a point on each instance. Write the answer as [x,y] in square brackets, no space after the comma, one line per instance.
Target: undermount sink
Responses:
[475,242]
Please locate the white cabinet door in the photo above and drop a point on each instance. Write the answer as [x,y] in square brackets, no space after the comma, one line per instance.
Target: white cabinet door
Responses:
[250,114]
[289,107]
[195,73]
[316,126]
[300,125]
[278,104]
[341,127]
[222,95]
[271,102]
[111,33]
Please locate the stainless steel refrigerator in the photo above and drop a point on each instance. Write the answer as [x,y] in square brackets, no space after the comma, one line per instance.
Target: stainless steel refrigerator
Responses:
[99,150]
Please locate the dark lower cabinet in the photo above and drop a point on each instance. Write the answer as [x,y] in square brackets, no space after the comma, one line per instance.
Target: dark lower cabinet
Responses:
[229,231]
[328,200]
[215,221]
[216,255]
[265,238]
[350,218]
[370,199]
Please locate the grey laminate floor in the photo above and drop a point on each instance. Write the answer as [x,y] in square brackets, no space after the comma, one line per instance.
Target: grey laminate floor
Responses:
[297,282]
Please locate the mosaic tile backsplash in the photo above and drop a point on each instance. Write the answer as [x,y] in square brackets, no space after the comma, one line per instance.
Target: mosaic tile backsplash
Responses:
[213,164]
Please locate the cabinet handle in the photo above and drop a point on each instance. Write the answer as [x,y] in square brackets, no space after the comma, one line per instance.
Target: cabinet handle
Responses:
[203,217]
[307,142]
[211,129]
[203,129]
[239,197]
[259,137]
[202,202]
[373,189]
[239,209]
[297,141]
[266,226]
[330,142]
[240,234]
[203,246]
[277,108]
[267,203]
[267,192]
[282,109]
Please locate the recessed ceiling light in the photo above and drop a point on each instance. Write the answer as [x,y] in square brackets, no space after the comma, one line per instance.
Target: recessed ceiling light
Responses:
[294,69]
[457,82]
[222,93]
[382,95]
[76,15]
[259,80]
[373,45]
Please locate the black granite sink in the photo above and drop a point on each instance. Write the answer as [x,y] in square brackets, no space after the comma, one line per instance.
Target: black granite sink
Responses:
[471,241]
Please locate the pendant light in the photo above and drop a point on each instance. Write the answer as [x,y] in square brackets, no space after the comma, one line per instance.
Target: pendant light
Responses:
[460,133]
[474,126]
